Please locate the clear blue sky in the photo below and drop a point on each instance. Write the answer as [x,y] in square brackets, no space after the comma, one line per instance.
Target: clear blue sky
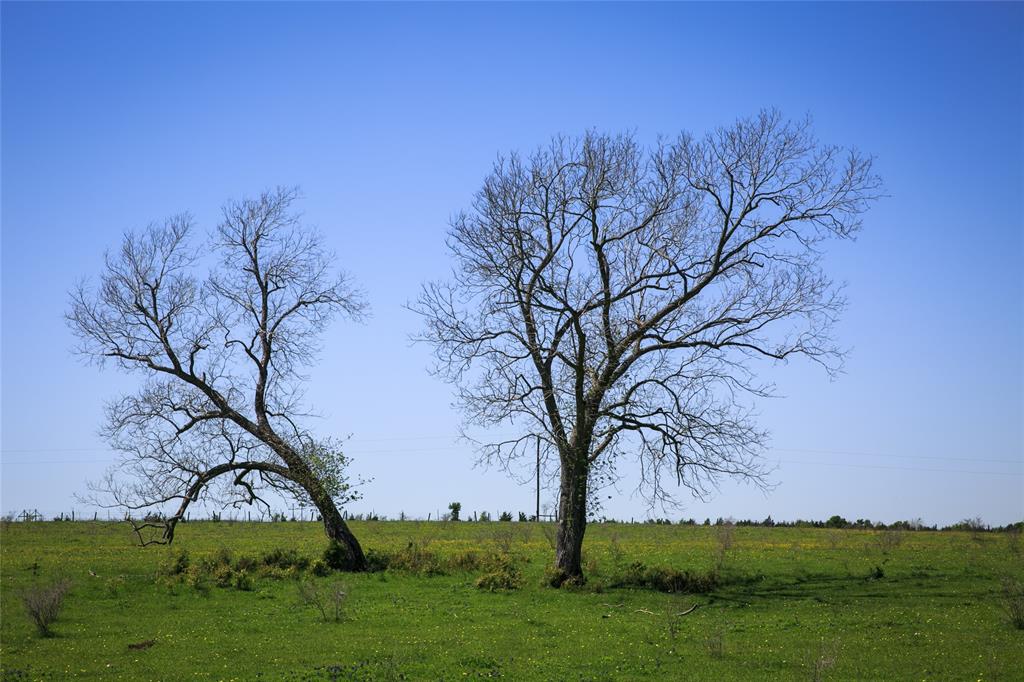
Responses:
[389,116]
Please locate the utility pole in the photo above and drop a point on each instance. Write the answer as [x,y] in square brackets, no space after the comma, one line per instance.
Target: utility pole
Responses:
[537,517]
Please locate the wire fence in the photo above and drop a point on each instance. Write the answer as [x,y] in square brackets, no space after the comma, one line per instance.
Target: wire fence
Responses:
[287,515]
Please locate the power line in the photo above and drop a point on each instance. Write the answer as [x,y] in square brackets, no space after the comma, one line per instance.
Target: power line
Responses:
[783,461]
[916,469]
[447,448]
[885,454]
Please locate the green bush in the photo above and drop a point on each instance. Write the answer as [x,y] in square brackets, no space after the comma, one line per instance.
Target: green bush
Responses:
[246,563]
[243,581]
[223,576]
[1013,601]
[175,563]
[376,561]
[466,561]
[556,577]
[285,559]
[277,573]
[665,579]
[416,558]
[195,578]
[335,556]
[506,577]
[222,557]
[218,570]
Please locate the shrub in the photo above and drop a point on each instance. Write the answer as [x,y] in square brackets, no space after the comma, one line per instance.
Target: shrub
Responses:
[455,508]
[375,561]
[175,563]
[246,563]
[223,576]
[243,581]
[554,576]
[335,556]
[665,579]
[43,604]
[1013,601]
[724,536]
[505,516]
[195,578]
[416,558]
[278,573]
[328,600]
[504,538]
[507,577]
[550,534]
[222,557]
[319,568]
[466,561]
[285,559]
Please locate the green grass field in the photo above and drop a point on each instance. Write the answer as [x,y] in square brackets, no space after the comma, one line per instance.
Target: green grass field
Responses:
[794,604]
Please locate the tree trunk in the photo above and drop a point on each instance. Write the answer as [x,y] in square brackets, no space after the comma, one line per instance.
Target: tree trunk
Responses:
[572,512]
[338,531]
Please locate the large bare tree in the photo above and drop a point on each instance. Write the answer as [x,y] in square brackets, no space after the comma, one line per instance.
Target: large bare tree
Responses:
[610,299]
[219,415]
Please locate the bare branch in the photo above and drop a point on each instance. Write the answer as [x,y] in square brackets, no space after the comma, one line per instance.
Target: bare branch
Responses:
[223,357]
[615,300]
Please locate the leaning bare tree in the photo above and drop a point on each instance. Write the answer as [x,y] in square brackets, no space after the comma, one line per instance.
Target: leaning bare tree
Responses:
[219,416]
[610,300]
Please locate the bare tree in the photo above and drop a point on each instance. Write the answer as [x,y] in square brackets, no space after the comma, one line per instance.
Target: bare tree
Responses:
[611,299]
[219,415]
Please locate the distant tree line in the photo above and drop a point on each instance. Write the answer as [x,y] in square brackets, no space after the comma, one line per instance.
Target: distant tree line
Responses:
[836,522]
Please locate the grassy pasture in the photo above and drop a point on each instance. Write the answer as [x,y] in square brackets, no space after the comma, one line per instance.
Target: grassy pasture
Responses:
[795,604]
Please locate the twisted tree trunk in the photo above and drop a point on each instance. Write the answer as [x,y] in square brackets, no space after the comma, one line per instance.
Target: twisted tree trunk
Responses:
[334,525]
[337,530]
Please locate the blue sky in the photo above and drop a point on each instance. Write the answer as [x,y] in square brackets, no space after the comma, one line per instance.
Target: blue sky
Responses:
[389,116]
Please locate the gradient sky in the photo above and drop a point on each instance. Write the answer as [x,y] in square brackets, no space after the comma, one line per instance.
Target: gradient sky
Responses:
[389,116]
